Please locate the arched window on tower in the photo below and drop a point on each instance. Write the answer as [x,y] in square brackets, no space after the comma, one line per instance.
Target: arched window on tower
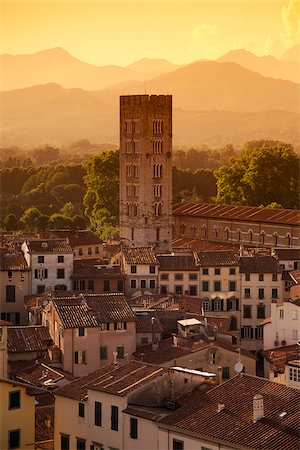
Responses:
[275,238]
[227,233]
[250,234]
[288,239]
[262,237]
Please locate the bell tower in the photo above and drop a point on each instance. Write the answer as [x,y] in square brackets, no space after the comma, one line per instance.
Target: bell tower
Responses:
[146,170]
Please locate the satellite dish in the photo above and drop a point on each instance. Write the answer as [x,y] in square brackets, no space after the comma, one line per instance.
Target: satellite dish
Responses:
[239,367]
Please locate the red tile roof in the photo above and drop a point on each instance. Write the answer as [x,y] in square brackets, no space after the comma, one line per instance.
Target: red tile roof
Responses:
[259,264]
[286,254]
[30,338]
[96,269]
[114,379]
[177,262]
[240,213]
[49,246]
[144,323]
[201,244]
[139,255]
[44,427]
[12,259]
[278,356]
[77,237]
[219,258]
[233,426]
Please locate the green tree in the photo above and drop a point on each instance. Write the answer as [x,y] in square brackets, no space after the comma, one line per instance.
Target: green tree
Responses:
[30,217]
[79,222]
[11,222]
[60,222]
[260,176]
[102,198]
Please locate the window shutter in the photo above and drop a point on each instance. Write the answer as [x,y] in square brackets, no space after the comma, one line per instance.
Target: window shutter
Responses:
[125,325]
[46,273]
[35,273]
[222,304]
[255,333]
[115,326]
[212,302]
[237,304]
[251,333]
[76,357]
[242,332]
[228,304]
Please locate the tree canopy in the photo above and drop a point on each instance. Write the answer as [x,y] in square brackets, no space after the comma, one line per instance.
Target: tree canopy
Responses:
[261,176]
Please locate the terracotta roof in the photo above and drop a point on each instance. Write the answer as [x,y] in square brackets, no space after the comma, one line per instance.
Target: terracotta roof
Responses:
[49,246]
[88,310]
[4,323]
[77,237]
[259,264]
[44,427]
[295,274]
[114,379]
[39,374]
[201,244]
[30,338]
[240,213]
[278,356]
[177,262]
[190,304]
[95,268]
[144,323]
[222,323]
[169,319]
[12,259]
[146,412]
[220,258]
[233,426]
[296,301]
[286,254]
[139,255]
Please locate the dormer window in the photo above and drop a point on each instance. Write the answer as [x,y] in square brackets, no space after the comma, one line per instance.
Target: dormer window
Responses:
[119,326]
[41,259]
[81,331]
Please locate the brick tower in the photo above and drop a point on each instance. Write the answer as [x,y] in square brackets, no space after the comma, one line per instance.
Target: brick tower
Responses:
[146,170]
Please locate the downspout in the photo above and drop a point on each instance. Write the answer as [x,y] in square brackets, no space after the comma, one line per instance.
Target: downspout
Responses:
[72,358]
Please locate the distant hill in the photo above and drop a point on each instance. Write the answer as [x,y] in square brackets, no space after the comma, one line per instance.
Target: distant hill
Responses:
[214,103]
[265,65]
[293,54]
[151,68]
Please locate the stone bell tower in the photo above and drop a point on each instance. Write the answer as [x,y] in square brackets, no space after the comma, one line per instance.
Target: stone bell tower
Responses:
[146,170]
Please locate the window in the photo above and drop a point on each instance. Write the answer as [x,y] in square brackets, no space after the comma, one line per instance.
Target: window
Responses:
[247,276]
[89,250]
[120,352]
[217,305]
[261,312]
[133,428]
[106,286]
[80,252]
[152,284]
[178,445]
[80,357]
[247,293]
[164,276]
[225,373]
[120,326]
[81,331]
[143,284]
[247,312]
[232,286]
[193,276]
[60,287]
[14,400]
[217,286]
[81,409]
[295,315]
[60,273]
[64,442]
[232,304]
[132,269]
[205,305]
[217,271]
[247,333]
[144,340]
[205,286]
[274,276]
[120,286]
[295,335]
[90,285]
[294,374]
[164,289]
[40,273]
[232,271]
[152,269]
[11,293]
[261,277]
[14,439]
[41,259]
[9,274]
[80,444]
[133,284]
[96,250]
[193,290]
[114,418]
[281,314]
[103,326]
[40,288]
[178,289]
[205,271]
[261,294]
[98,414]
[259,332]
[274,293]
[79,285]
[60,259]
[178,276]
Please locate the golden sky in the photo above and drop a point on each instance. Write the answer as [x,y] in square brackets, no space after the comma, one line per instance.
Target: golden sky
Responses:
[122,32]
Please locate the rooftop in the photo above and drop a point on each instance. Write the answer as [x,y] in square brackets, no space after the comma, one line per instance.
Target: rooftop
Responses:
[233,425]
[241,213]
[285,254]
[177,262]
[139,255]
[95,268]
[49,246]
[279,356]
[259,264]
[77,237]
[113,379]
[30,338]
[144,323]
[44,427]
[218,258]
[12,259]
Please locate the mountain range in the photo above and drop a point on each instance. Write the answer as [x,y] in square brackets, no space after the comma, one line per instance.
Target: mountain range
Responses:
[55,98]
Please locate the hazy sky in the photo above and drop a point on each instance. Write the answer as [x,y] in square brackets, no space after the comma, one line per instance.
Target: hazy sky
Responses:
[121,32]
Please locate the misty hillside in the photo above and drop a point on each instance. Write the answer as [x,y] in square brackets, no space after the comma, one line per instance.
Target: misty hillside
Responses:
[151,68]
[292,54]
[265,65]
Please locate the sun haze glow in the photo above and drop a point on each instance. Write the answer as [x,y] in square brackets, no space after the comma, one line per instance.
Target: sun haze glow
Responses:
[107,32]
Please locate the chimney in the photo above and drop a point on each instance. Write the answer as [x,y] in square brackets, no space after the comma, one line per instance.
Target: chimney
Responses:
[115,357]
[258,407]
[175,341]
[221,406]
[219,375]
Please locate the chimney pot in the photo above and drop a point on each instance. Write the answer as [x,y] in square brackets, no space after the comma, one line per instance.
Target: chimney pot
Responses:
[258,407]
